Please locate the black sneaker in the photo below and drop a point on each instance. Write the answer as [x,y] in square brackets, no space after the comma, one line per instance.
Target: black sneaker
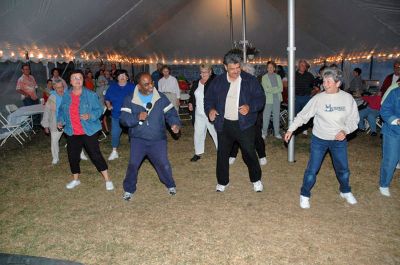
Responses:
[195,158]
[127,196]
[374,134]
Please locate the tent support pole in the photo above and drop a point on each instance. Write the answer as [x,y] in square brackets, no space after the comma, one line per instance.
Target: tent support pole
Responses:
[231,22]
[244,30]
[291,70]
[371,66]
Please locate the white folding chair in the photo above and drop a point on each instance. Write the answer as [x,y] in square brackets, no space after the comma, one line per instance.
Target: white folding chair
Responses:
[11,108]
[14,130]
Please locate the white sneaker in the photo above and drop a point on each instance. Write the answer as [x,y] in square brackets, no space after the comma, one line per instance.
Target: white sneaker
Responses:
[258,186]
[263,161]
[398,165]
[73,184]
[127,196]
[305,132]
[109,185]
[83,156]
[172,191]
[221,188]
[232,160]
[55,161]
[349,197]
[304,202]
[264,136]
[384,191]
[113,155]
[278,136]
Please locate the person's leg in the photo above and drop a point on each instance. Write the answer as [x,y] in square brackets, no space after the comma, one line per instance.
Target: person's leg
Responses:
[338,150]
[363,114]
[266,118]
[55,149]
[116,131]
[390,158]
[276,107]
[212,132]
[372,115]
[158,155]
[225,143]
[235,150]
[92,147]
[138,151]
[246,141]
[200,132]
[318,150]
[74,148]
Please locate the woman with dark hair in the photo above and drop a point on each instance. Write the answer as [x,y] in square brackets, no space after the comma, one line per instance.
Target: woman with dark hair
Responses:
[335,116]
[114,99]
[55,76]
[89,81]
[196,106]
[79,115]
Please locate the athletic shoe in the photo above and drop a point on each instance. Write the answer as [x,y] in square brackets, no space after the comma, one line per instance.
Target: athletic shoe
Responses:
[113,155]
[127,196]
[109,185]
[83,156]
[304,202]
[305,132]
[263,161]
[55,161]
[221,188]
[195,158]
[264,136]
[384,191]
[73,184]
[374,134]
[172,191]
[232,160]
[278,136]
[349,197]
[258,186]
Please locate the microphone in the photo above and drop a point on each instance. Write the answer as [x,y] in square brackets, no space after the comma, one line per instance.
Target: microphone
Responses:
[148,107]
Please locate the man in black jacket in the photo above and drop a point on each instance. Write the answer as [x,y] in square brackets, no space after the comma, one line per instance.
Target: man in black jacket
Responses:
[232,103]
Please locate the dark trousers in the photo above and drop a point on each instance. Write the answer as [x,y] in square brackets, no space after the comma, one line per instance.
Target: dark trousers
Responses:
[259,141]
[230,133]
[75,144]
[157,153]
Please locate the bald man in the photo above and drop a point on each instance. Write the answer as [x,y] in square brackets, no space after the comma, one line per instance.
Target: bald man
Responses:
[146,113]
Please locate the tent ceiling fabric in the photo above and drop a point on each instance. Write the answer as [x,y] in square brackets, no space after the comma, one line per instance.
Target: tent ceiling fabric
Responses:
[180,29]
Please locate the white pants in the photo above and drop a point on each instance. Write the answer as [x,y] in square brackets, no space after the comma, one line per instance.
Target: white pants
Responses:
[55,149]
[201,124]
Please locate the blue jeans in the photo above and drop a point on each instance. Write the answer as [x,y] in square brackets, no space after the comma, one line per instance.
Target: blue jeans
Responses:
[318,150]
[370,115]
[116,131]
[390,158]
[156,151]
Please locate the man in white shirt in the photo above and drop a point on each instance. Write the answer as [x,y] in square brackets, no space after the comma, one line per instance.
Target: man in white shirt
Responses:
[169,86]
[393,78]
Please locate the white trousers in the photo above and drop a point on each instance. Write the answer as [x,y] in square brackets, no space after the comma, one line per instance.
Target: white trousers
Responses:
[55,138]
[201,125]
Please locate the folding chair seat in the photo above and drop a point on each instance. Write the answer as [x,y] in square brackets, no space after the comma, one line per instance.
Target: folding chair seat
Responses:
[14,130]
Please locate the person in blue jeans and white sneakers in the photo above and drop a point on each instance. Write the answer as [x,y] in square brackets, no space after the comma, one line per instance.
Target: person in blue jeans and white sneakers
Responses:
[145,114]
[390,113]
[335,115]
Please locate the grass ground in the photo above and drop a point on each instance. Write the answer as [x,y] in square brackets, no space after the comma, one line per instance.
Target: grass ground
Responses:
[39,217]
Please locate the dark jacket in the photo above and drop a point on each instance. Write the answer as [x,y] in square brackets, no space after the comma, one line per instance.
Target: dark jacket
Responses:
[153,128]
[192,98]
[251,94]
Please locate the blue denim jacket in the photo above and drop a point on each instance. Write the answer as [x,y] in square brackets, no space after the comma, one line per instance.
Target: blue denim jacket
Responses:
[390,111]
[89,103]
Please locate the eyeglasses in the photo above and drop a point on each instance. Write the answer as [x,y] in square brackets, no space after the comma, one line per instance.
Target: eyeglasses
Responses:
[76,78]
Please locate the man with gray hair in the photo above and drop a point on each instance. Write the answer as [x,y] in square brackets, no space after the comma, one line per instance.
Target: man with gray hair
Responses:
[232,103]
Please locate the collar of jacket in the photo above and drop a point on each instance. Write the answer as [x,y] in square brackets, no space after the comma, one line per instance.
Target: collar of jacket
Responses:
[136,100]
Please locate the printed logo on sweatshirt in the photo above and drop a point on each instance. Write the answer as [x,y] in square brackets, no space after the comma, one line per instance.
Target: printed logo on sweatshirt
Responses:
[330,108]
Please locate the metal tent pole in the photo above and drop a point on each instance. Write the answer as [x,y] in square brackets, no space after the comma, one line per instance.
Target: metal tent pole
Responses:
[244,30]
[291,74]
[231,22]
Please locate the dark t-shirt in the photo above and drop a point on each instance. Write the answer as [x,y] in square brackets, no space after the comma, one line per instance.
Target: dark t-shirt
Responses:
[304,83]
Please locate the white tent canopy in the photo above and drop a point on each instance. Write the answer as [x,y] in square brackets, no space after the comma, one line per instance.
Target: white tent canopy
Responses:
[186,29]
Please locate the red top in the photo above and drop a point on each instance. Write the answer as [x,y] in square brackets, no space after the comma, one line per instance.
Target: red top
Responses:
[89,84]
[374,102]
[77,128]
